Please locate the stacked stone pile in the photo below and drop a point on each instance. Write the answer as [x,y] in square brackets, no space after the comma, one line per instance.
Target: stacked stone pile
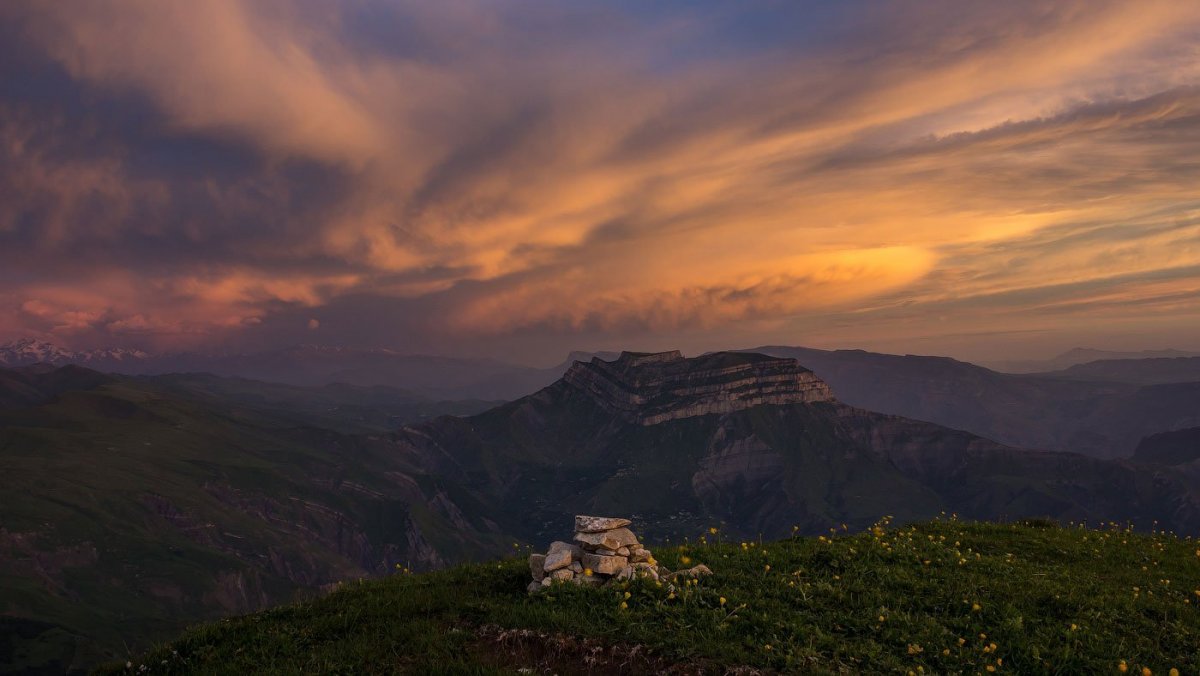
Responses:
[604,549]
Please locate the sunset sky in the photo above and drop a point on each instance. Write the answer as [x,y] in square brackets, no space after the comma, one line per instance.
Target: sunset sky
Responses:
[521,178]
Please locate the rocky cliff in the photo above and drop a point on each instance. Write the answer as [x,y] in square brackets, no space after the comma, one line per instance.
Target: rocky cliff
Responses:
[653,388]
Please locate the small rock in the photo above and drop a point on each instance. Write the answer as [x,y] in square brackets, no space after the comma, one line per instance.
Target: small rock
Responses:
[613,539]
[546,581]
[536,566]
[562,574]
[695,571]
[639,555]
[598,524]
[622,551]
[604,565]
[625,573]
[576,567]
[561,555]
[534,587]
[590,580]
[645,570]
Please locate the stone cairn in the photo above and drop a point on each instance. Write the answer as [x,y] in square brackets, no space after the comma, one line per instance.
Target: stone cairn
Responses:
[604,550]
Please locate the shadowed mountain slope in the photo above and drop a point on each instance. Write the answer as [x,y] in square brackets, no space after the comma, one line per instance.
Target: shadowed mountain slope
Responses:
[130,507]
[1098,418]
[1154,371]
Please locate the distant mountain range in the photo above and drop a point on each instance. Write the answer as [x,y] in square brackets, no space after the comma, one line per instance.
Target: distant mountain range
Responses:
[309,365]
[28,351]
[1100,408]
[1081,355]
[1055,411]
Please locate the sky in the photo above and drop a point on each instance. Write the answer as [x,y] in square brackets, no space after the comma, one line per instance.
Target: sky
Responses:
[520,178]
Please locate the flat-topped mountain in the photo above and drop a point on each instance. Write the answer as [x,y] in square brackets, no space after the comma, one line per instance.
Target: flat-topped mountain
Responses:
[759,444]
[651,388]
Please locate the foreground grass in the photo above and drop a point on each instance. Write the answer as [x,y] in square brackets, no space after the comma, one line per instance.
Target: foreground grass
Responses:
[938,597]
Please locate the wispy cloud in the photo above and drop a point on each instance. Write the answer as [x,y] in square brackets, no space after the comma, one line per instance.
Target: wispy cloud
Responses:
[609,170]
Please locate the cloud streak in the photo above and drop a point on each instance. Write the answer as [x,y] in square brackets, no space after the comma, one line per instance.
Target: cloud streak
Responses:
[595,173]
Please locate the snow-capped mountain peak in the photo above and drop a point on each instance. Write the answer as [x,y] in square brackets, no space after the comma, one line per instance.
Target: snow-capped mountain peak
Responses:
[28,351]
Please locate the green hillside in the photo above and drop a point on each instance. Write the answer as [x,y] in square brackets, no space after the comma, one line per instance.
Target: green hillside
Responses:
[935,597]
[131,507]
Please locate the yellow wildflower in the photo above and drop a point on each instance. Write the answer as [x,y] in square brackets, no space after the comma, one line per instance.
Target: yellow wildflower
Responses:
[722,600]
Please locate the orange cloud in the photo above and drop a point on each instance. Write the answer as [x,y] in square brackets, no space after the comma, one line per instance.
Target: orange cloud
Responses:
[606,177]
[646,299]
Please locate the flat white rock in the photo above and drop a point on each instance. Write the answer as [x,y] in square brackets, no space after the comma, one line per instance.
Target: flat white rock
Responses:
[609,539]
[598,524]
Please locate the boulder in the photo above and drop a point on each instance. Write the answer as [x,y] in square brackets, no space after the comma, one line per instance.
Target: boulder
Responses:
[562,574]
[612,539]
[598,524]
[537,568]
[695,571]
[604,565]
[561,555]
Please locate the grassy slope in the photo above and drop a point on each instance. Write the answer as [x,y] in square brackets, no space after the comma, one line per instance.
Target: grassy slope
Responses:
[100,570]
[937,597]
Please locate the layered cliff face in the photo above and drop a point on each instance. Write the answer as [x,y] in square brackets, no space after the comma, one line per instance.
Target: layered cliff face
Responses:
[649,389]
[760,445]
